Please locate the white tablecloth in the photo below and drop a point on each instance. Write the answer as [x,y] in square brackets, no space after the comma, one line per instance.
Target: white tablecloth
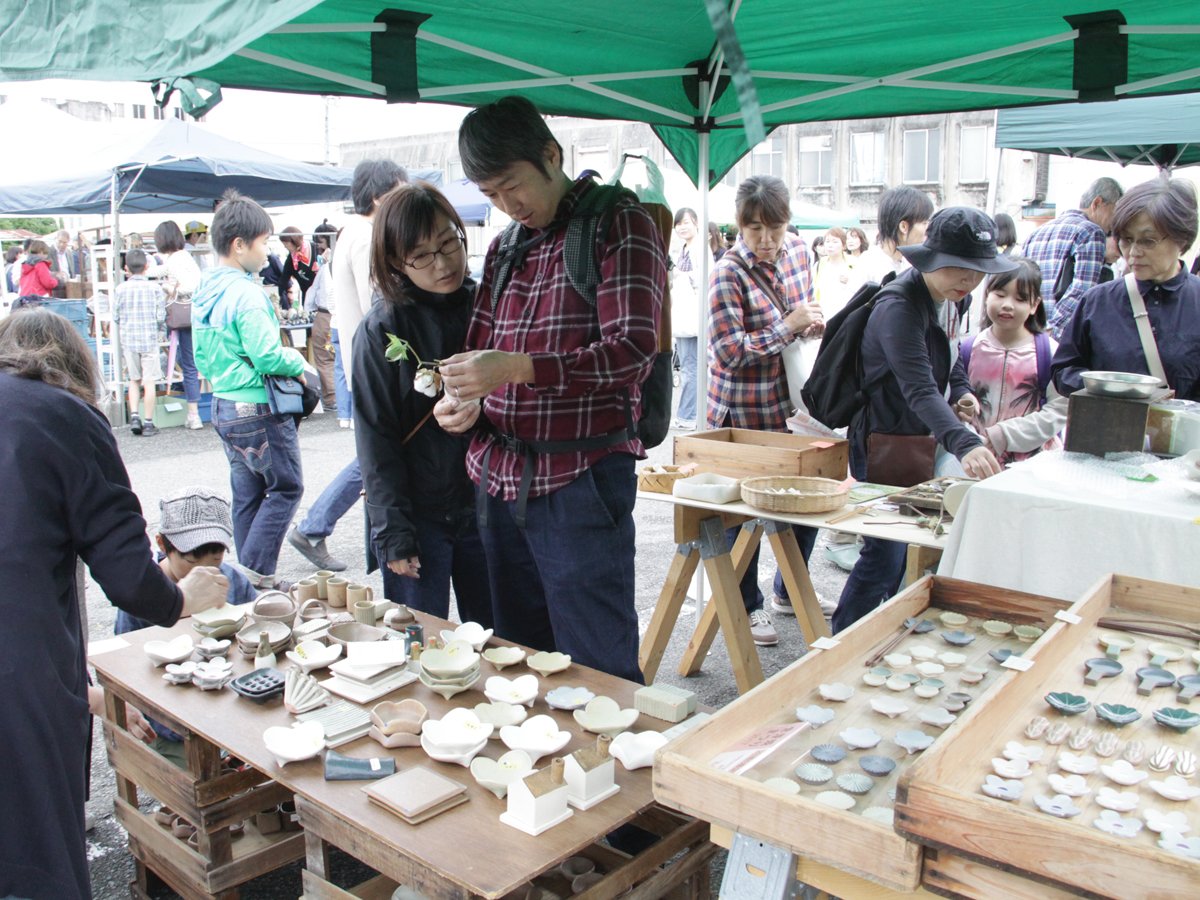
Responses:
[1054,527]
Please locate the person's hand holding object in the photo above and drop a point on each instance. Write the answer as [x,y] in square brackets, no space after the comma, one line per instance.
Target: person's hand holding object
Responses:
[980,463]
[203,588]
[454,415]
[803,317]
[967,407]
[474,374]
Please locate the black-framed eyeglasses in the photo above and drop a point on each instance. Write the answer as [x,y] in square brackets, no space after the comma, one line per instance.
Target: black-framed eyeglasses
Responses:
[1143,244]
[449,247]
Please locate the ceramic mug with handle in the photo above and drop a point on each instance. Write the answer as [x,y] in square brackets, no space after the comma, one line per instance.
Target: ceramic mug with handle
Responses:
[364,611]
[303,591]
[322,578]
[336,590]
[357,592]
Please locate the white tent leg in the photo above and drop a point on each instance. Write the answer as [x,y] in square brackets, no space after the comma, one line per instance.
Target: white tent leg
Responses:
[116,406]
[702,341]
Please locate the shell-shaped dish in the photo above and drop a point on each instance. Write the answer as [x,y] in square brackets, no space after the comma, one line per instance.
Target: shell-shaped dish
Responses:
[538,736]
[546,664]
[1185,764]
[520,691]
[1058,733]
[457,731]
[828,753]
[853,783]
[1117,714]
[1068,704]
[1107,745]
[503,657]
[1081,738]
[313,655]
[497,774]
[636,751]
[996,628]
[1037,727]
[813,773]
[604,715]
[303,740]
[1121,801]
[861,738]
[1162,759]
[1027,634]
[877,765]
[953,619]
[1134,752]
[471,632]
[814,715]
[1181,720]
[301,692]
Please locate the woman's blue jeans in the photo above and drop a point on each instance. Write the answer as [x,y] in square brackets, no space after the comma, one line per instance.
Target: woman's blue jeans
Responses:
[686,348]
[187,362]
[345,400]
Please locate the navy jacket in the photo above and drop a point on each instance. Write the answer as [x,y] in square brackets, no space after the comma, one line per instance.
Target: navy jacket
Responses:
[66,494]
[906,367]
[1102,336]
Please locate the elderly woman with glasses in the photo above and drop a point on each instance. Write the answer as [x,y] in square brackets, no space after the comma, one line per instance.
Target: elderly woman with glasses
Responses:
[1155,224]
[420,502]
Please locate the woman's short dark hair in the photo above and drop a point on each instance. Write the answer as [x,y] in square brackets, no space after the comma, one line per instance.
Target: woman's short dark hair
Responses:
[716,240]
[291,236]
[372,179]
[494,137]
[1006,230]
[1028,276]
[238,217]
[686,211]
[168,238]
[11,254]
[41,345]
[403,219]
[902,204]
[39,248]
[763,198]
[1169,202]
[839,233]
[863,244]
[321,232]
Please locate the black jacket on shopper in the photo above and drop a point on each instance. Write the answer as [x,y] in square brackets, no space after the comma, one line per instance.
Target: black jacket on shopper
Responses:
[427,477]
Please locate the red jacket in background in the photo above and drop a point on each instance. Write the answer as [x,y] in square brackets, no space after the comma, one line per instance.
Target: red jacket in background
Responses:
[36,279]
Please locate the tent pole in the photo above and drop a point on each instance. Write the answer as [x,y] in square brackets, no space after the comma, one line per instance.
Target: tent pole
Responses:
[705,266]
[116,406]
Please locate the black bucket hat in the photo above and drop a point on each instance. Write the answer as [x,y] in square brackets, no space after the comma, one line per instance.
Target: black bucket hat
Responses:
[962,237]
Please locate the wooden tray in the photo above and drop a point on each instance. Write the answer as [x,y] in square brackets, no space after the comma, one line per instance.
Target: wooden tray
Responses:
[1069,854]
[927,496]
[743,453]
[685,780]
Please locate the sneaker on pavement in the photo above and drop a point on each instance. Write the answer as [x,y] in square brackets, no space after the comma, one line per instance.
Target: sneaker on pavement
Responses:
[762,630]
[135,423]
[781,606]
[149,429]
[194,423]
[314,553]
[281,585]
[343,423]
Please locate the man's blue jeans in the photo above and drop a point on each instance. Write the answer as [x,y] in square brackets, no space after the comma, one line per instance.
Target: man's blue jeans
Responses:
[879,570]
[345,400]
[686,348]
[752,597]
[341,494]
[449,554]
[565,581]
[266,479]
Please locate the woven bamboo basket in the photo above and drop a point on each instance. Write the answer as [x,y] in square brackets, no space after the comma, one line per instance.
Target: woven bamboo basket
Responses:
[816,495]
[659,482]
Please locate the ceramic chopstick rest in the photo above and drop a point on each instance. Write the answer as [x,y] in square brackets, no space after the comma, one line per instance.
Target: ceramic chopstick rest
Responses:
[877,765]
[912,741]
[1071,785]
[972,674]
[1134,753]
[861,738]
[1077,765]
[1000,654]
[1002,788]
[853,783]
[1174,788]
[1115,644]
[1117,714]
[1162,653]
[828,753]
[303,740]
[1121,801]
[636,751]
[1037,727]
[922,653]
[1111,822]
[311,655]
[1151,677]
[1123,772]
[898,660]
[1068,704]
[889,706]
[1011,768]
[815,716]
[1162,759]
[1101,667]
[1058,733]
[876,677]
[1180,719]
[936,716]
[1160,822]
[813,773]
[1185,764]
[301,692]
[836,692]
[1177,843]
[210,648]
[1015,750]
[1081,738]
[929,688]
[1059,805]
[1107,745]
[957,638]
[952,660]
[930,669]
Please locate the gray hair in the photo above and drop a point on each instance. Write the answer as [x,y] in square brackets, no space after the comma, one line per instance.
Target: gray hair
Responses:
[62,233]
[1106,189]
[1169,202]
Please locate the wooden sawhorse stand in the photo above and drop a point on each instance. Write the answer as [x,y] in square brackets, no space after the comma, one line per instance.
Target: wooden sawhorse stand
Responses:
[700,535]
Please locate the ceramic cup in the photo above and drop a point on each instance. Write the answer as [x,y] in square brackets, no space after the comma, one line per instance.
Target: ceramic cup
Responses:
[357,592]
[322,579]
[364,611]
[336,590]
[303,591]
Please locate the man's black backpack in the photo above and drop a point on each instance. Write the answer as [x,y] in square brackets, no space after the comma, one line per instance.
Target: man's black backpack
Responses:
[591,217]
[834,390]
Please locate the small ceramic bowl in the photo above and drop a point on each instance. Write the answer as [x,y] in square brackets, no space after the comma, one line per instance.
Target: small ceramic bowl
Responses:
[953,619]
[403,717]
[521,691]
[569,698]
[496,775]
[538,736]
[355,632]
[303,740]
[455,660]
[503,657]
[471,632]
[446,691]
[636,751]
[500,714]
[604,715]
[1027,634]
[996,628]
[174,651]
[546,664]
[876,677]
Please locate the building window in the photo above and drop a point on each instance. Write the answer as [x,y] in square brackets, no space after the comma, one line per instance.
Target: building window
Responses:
[455,170]
[178,113]
[922,153]
[973,148]
[139,110]
[868,157]
[594,158]
[767,157]
[158,112]
[816,160]
[730,178]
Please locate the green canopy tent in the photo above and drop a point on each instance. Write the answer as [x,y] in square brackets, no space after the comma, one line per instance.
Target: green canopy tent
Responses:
[1163,131]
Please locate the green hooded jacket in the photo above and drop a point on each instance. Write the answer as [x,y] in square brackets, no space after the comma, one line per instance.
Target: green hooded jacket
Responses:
[232,318]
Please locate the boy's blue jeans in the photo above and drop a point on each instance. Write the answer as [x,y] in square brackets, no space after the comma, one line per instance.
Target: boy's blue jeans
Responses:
[335,501]
[266,479]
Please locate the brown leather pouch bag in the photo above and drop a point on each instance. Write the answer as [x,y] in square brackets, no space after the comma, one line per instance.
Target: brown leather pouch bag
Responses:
[900,460]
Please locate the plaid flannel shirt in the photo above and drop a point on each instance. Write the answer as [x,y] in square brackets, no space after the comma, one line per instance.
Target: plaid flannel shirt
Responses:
[140,308]
[1072,234]
[746,380]
[583,357]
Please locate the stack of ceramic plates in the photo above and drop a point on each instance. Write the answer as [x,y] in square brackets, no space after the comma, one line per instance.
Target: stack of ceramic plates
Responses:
[220,622]
[450,670]
[455,738]
[278,634]
[366,684]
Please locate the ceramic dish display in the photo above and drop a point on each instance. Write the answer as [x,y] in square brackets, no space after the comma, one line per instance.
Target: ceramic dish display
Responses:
[538,736]
[173,651]
[274,606]
[227,614]
[546,664]
[1068,704]
[457,757]
[837,692]
[302,693]
[861,738]
[303,740]
[471,632]
[312,655]
[179,673]
[452,661]
[446,691]
[398,724]
[520,691]
[498,714]
[354,632]
[1126,385]
[456,732]
[708,487]
[605,716]
[636,751]
[503,657]
[497,774]
[889,706]
[1179,719]
[816,716]
[936,716]
[814,773]
[211,648]
[569,698]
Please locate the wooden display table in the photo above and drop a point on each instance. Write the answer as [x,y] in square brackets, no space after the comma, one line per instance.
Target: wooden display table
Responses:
[463,852]
[699,533]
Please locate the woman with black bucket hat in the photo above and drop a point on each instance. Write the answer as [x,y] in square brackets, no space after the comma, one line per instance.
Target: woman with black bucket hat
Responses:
[916,388]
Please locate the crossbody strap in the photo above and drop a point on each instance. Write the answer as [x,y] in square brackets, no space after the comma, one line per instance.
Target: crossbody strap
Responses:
[1142,319]
[760,279]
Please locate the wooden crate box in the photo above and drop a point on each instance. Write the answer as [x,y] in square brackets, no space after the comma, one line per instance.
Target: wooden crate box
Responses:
[1070,855]
[743,453]
[685,780]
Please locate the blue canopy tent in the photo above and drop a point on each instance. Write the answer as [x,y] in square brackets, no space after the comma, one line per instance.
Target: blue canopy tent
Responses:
[468,200]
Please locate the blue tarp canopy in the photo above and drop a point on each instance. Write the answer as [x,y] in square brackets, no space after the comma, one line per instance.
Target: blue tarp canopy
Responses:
[468,200]
[1164,131]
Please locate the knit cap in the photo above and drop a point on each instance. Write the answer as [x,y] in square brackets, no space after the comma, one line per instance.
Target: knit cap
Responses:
[194,516]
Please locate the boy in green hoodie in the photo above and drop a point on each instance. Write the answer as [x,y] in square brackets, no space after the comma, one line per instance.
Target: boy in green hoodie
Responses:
[237,342]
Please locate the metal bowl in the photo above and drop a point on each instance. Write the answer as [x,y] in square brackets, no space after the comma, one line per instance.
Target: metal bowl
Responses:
[1125,385]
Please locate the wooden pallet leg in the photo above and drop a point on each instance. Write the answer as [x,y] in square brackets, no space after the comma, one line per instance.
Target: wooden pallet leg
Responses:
[796,580]
[919,559]
[316,855]
[666,611]
[114,711]
[731,611]
[706,629]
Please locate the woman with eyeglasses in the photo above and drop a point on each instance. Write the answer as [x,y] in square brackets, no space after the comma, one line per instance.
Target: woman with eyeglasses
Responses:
[419,500]
[1155,224]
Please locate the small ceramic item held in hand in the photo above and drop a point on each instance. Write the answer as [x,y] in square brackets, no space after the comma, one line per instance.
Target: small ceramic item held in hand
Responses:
[203,588]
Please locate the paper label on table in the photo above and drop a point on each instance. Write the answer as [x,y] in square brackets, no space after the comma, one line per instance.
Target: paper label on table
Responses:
[825,643]
[1020,663]
[821,445]
[374,765]
[848,483]
[1070,618]
[95,648]
[376,653]
[754,747]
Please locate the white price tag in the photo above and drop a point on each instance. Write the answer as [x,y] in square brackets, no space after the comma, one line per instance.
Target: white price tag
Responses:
[375,765]
[1070,618]
[825,643]
[1020,663]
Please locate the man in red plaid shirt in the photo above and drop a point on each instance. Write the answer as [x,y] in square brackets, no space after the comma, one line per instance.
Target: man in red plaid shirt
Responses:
[559,380]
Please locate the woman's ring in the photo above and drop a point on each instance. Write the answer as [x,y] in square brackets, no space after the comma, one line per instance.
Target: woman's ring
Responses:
[456,393]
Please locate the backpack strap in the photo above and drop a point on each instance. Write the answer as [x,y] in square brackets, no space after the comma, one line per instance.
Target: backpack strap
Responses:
[964,351]
[1041,344]
[506,255]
